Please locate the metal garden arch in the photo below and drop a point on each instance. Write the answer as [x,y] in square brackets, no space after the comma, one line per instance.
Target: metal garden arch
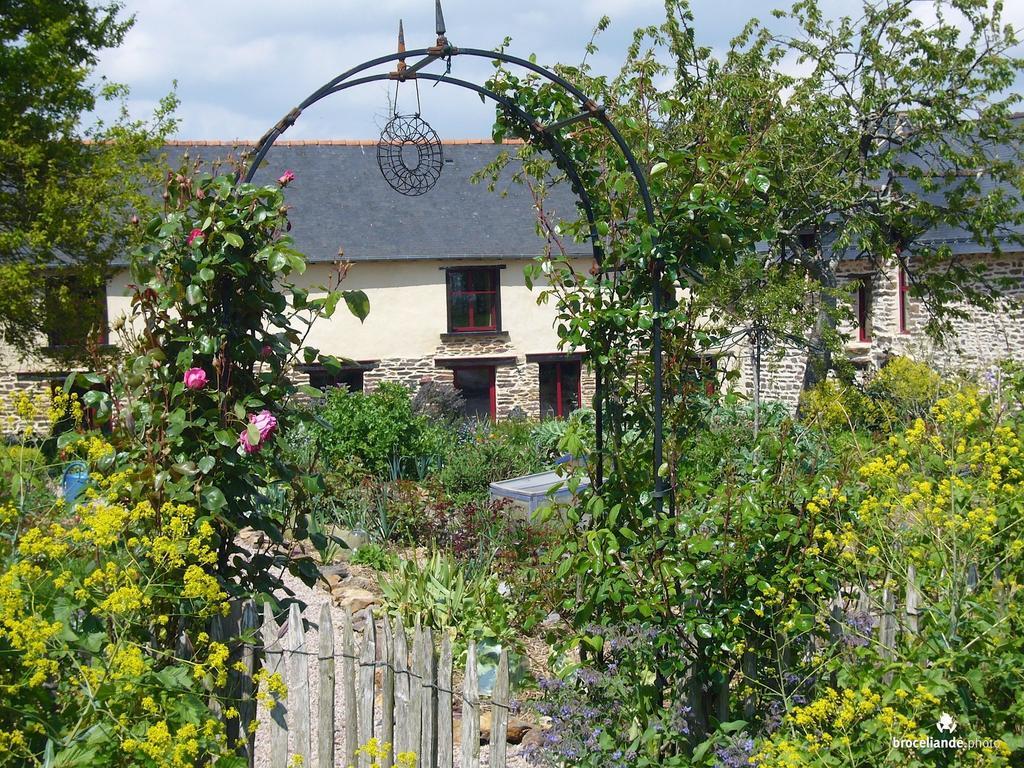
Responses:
[543,136]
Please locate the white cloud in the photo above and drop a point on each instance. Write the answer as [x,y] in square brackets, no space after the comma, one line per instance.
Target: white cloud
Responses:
[240,66]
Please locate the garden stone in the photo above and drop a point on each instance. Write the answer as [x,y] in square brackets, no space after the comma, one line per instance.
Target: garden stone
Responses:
[337,569]
[361,582]
[334,582]
[355,599]
[517,729]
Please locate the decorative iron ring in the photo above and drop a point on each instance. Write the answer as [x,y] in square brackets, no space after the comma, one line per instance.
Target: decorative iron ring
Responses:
[402,175]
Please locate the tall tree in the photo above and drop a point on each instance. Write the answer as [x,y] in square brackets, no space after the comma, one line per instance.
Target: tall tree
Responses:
[67,192]
[898,125]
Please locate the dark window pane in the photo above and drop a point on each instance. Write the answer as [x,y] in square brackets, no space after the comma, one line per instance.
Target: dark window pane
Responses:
[548,391]
[483,279]
[473,299]
[460,311]
[457,280]
[559,389]
[476,386]
[570,373]
[350,378]
[484,314]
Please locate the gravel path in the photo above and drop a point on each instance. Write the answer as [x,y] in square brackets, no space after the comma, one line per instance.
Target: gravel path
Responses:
[314,598]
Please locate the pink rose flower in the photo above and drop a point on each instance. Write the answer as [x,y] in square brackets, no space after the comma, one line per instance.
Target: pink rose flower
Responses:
[285,178]
[243,440]
[194,235]
[265,422]
[195,378]
[266,351]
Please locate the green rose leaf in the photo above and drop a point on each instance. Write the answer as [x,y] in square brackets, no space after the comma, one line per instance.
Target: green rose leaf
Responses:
[357,303]
[212,499]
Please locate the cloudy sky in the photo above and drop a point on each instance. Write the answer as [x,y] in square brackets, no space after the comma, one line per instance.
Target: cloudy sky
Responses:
[240,66]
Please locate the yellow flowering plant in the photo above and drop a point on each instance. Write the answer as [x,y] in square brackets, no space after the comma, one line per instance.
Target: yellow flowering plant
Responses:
[932,544]
[92,603]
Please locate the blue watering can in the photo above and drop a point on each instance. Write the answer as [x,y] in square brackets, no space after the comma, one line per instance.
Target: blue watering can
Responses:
[75,481]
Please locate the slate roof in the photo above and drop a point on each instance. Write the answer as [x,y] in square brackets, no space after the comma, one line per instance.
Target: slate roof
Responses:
[340,200]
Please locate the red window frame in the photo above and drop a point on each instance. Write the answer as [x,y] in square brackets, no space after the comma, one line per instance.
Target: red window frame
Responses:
[471,274]
[864,308]
[902,295]
[491,371]
[557,364]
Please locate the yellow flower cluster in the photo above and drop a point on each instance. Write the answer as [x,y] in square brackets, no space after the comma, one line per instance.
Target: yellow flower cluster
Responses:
[270,688]
[65,405]
[24,411]
[835,721]
[376,751]
[180,749]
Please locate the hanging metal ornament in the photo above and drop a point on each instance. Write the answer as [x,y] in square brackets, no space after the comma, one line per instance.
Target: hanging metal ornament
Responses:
[409,152]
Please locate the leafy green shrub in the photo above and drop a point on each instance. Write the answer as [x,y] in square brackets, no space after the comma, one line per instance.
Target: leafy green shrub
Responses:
[491,452]
[378,428]
[575,435]
[374,556]
[833,406]
[903,390]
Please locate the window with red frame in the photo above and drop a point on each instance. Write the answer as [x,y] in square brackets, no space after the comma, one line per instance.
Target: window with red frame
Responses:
[473,300]
[560,392]
[476,385]
[864,297]
[903,295]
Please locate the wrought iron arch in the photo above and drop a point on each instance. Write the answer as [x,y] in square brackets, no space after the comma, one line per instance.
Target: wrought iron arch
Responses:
[543,136]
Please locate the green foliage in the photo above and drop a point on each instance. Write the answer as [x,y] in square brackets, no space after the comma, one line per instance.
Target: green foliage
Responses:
[891,398]
[69,193]
[575,435]
[375,556]
[489,453]
[833,406]
[440,595]
[904,390]
[380,429]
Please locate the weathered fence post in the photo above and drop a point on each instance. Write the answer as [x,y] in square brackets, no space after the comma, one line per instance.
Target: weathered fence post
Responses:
[402,691]
[348,687]
[325,723]
[499,713]
[414,716]
[388,694]
[246,692]
[470,712]
[913,600]
[445,743]
[298,685]
[428,728]
[275,665]
[367,685]
[887,623]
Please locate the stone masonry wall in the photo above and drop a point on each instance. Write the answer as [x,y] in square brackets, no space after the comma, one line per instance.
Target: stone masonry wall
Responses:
[982,341]
[12,386]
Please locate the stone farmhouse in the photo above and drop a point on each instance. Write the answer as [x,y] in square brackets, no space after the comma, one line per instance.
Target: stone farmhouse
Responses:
[449,301]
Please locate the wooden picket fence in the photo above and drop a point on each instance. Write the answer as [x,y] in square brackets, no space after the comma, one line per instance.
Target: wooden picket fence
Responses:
[414,683]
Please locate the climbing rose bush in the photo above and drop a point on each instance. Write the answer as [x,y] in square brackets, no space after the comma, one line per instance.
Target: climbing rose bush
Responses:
[215,331]
[107,654]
